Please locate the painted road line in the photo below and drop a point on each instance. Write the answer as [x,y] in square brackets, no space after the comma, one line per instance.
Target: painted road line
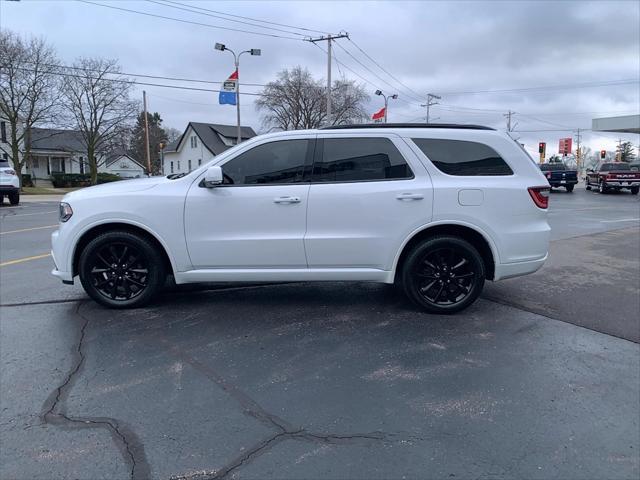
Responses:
[621,220]
[29,229]
[27,214]
[26,259]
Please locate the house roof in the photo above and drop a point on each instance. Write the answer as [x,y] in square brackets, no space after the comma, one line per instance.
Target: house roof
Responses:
[52,139]
[209,136]
[114,157]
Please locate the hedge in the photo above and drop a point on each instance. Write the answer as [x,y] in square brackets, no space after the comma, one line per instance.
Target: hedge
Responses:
[26,180]
[66,180]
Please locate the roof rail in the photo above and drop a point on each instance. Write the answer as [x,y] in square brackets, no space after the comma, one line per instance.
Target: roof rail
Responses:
[407,125]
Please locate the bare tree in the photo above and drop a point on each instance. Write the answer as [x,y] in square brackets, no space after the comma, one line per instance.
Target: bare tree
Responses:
[28,91]
[97,97]
[172,134]
[295,100]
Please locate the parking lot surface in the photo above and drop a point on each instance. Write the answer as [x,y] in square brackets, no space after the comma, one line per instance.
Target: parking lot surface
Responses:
[539,379]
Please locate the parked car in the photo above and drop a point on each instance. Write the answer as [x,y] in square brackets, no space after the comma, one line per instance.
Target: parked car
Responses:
[436,209]
[9,183]
[613,176]
[558,175]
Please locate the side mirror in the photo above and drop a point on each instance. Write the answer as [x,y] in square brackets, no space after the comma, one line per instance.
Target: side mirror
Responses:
[212,177]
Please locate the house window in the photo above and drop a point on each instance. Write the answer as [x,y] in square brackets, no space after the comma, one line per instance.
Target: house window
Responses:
[189,165]
[199,161]
[194,141]
[5,157]
[81,161]
[171,167]
[3,131]
[178,165]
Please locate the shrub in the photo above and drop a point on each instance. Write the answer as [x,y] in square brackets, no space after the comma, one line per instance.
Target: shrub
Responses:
[108,177]
[27,181]
[66,180]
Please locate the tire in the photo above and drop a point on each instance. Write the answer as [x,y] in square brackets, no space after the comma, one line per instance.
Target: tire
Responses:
[602,188]
[569,188]
[587,185]
[635,190]
[132,283]
[1,199]
[432,265]
[14,198]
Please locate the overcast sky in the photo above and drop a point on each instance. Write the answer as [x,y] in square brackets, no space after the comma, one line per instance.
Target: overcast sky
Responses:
[458,50]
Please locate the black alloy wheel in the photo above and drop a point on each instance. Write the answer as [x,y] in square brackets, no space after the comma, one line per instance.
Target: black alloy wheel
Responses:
[444,275]
[121,270]
[602,188]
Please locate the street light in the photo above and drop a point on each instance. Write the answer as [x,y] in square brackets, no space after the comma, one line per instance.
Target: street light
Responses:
[386,101]
[236,61]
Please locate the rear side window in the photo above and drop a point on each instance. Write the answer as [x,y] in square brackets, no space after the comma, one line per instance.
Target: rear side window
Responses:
[463,158]
[359,160]
[270,163]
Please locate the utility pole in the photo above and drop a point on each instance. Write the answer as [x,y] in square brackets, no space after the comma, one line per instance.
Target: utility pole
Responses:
[578,151]
[510,127]
[328,39]
[146,132]
[430,103]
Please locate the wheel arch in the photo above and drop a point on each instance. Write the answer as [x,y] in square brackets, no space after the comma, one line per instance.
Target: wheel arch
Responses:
[472,234]
[95,230]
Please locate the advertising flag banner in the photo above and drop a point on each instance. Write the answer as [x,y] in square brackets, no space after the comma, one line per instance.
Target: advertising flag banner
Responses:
[379,115]
[228,92]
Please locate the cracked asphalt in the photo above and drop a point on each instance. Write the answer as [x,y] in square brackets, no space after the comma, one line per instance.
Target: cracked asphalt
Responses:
[539,379]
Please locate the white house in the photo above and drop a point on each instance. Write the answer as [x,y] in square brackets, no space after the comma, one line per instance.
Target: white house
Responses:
[199,143]
[63,151]
[5,141]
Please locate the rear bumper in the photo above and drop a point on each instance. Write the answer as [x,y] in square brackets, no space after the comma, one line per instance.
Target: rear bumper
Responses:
[622,183]
[561,183]
[510,270]
[4,189]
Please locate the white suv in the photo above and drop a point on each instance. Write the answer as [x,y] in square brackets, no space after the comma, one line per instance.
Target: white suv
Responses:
[435,208]
[9,183]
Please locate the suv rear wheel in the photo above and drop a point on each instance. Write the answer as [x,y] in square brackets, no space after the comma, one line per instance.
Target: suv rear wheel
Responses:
[120,269]
[14,198]
[443,274]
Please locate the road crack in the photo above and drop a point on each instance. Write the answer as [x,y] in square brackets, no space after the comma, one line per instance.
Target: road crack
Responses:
[54,412]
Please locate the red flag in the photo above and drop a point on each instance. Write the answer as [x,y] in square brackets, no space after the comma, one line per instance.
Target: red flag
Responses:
[378,115]
[234,75]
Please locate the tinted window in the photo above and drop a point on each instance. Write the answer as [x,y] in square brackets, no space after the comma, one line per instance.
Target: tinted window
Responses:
[269,163]
[360,159]
[548,167]
[460,157]
[614,166]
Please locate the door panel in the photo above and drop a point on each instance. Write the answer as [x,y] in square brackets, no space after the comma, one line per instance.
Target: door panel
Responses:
[363,224]
[246,226]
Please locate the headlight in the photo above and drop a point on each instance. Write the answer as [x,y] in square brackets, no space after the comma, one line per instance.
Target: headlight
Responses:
[65,211]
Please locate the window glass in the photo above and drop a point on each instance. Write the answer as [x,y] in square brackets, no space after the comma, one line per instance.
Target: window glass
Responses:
[269,163]
[614,166]
[360,159]
[461,157]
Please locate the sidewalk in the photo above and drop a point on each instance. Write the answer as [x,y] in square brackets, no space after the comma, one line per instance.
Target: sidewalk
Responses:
[41,198]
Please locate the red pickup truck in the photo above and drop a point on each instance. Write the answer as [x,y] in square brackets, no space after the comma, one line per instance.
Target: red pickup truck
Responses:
[613,176]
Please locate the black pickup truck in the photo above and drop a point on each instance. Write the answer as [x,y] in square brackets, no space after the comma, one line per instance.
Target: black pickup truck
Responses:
[559,176]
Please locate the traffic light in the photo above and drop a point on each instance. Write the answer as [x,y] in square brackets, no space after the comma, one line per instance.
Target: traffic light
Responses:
[603,154]
[542,146]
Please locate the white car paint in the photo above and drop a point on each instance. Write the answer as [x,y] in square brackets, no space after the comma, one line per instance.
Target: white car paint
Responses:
[337,231]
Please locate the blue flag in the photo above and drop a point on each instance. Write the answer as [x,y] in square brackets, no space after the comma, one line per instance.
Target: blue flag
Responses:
[228,92]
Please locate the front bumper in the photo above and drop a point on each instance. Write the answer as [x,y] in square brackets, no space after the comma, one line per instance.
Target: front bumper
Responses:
[57,253]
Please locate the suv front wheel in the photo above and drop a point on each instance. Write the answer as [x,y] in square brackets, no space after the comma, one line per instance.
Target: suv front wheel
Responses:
[120,269]
[443,274]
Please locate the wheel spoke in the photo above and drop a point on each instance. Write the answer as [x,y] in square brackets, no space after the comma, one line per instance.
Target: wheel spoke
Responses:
[464,275]
[114,290]
[124,253]
[136,282]
[138,270]
[435,299]
[99,270]
[127,288]
[428,287]
[101,258]
[459,264]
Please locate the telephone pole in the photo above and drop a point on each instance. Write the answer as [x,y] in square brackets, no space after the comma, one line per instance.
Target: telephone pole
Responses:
[578,150]
[328,39]
[430,103]
[146,132]
[510,126]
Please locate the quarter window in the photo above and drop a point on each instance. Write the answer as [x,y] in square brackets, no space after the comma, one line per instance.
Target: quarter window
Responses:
[358,160]
[269,163]
[463,158]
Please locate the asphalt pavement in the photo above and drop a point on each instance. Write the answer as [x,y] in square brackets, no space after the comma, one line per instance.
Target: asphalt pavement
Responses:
[539,379]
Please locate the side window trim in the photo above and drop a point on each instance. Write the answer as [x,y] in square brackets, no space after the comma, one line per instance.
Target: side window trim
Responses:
[306,171]
[319,152]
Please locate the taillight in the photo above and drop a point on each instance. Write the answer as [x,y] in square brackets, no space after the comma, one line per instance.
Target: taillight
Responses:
[540,196]
[548,174]
[10,172]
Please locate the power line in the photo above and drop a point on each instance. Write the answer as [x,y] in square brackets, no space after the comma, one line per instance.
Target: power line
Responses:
[188,9]
[604,83]
[248,18]
[383,69]
[186,21]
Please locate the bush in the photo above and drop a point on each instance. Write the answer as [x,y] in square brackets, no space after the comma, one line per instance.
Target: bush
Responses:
[27,181]
[108,177]
[67,180]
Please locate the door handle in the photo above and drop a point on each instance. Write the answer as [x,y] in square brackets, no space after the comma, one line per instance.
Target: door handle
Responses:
[410,196]
[286,200]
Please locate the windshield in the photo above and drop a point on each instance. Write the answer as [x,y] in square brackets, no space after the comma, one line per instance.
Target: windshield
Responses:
[615,166]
